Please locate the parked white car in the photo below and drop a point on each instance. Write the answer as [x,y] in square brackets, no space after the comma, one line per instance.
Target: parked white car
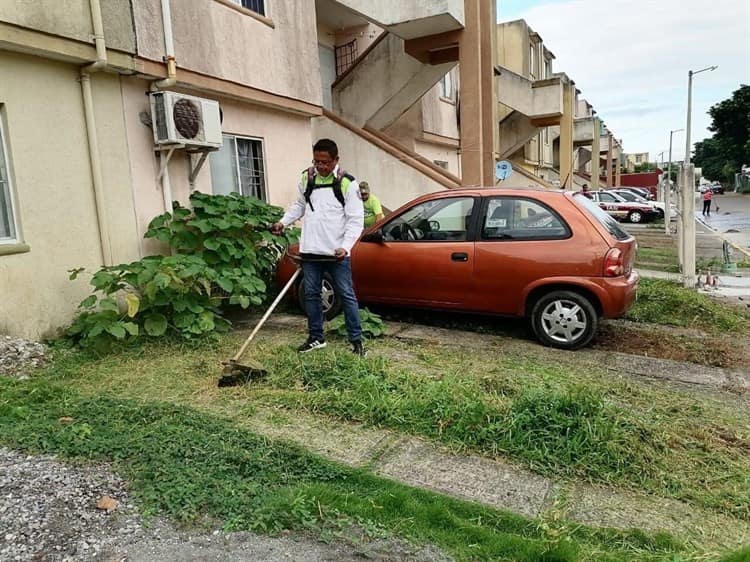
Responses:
[658,205]
[622,209]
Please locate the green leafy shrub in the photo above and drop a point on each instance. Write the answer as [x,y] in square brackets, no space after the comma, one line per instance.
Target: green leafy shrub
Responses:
[372,324]
[223,252]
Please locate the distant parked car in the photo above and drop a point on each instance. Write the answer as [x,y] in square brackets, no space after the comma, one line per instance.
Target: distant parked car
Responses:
[717,188]
[658,205]
[623,210]
[552,257]
[641,191]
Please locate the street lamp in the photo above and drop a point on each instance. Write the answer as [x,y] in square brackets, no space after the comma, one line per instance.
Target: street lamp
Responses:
[689,108]
[687,212]
[668,184]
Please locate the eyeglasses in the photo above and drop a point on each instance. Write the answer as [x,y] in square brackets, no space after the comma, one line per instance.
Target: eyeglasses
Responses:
[322,162]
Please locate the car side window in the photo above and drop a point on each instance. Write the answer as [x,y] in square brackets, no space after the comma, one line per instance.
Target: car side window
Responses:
[444,219]
[510,218]
[607,198]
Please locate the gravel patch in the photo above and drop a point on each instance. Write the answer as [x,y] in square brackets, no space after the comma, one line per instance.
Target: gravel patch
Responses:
[18,357]
[55,512]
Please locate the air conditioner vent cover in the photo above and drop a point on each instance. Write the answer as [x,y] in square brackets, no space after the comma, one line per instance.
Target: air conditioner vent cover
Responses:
[180,119]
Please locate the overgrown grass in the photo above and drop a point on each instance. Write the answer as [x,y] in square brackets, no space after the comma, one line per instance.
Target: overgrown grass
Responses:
[557,424]
[666,302]
[660,259]
[188,464]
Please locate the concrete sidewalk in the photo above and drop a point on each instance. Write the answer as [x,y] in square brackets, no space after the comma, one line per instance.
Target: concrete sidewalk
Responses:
[727,284]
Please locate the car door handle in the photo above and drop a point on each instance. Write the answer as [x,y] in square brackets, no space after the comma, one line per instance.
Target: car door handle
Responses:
[460,256]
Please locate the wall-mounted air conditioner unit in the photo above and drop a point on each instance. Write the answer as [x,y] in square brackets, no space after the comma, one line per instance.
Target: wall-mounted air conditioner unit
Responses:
[179,119]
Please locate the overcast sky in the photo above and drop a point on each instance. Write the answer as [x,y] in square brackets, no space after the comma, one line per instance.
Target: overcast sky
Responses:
[630,59]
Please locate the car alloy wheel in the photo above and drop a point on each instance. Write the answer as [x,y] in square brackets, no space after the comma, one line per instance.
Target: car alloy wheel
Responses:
[635,216]
[330,301]
[564,319]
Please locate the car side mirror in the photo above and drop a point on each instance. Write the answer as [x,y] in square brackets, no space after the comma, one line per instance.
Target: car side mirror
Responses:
[375,236]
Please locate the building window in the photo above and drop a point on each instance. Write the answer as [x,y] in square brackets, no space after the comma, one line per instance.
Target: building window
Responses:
[257,6]
[345,56]
[547,68]
[532,61]
[446,86]
[239,167]
[8,228]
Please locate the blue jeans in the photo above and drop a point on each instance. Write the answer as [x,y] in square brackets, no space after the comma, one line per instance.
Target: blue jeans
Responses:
[341,272]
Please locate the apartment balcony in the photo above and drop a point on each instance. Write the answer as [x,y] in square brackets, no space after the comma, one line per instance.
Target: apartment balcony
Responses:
[583,131]
[541,101]
[409,20]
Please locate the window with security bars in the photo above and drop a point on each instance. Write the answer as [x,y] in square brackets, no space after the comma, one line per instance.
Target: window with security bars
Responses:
[257,6]
[345,56]
[7,216]
[239,167]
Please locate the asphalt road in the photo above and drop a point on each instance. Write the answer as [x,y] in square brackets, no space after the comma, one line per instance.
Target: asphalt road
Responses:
[731,221]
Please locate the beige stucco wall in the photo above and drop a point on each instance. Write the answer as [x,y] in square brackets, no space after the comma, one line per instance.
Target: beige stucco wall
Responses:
[287,144]
[512,44]
[47,141]
[217,40]
[434,152]
[72,19]
[438,114]
[391,180]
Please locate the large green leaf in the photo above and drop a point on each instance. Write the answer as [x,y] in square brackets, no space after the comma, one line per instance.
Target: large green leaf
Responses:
[225,284]
[155,325]
[117,331]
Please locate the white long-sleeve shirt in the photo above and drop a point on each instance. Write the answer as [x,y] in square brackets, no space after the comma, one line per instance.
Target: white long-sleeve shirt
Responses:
[327,225]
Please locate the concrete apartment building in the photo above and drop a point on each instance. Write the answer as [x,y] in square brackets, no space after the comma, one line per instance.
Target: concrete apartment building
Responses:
[80,178]
[633,159]
[420,97]
[546,128]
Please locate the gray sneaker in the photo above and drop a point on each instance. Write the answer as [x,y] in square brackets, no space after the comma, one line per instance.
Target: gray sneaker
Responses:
[311,345]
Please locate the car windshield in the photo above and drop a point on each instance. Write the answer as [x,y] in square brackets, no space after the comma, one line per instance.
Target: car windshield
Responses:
[608,222]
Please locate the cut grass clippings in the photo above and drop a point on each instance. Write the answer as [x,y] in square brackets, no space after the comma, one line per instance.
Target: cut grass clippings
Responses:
[668,303]
[189,465]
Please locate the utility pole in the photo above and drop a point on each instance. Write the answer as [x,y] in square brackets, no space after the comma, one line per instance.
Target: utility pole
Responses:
[668,185]
[688,199]
[660,187]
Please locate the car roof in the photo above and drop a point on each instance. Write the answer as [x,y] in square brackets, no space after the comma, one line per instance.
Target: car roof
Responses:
[492,191]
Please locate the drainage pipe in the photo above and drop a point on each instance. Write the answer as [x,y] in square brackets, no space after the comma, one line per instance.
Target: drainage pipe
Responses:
[99,64]
[168,82]
[171,79]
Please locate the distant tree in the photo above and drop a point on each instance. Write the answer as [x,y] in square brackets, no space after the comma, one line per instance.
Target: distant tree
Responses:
[722,155]
[645,167]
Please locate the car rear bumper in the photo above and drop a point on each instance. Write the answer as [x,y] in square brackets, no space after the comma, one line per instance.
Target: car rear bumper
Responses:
[620,294]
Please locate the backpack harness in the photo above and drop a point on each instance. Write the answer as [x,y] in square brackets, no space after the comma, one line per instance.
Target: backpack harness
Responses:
[335,184]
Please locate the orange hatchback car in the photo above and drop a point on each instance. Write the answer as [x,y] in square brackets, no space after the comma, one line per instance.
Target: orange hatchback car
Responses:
[553,257]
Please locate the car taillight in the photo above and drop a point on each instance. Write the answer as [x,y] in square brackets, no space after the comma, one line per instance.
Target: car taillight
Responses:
[613,264]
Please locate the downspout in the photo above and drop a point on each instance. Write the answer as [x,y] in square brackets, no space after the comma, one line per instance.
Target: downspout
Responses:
[168,82]
[88,110]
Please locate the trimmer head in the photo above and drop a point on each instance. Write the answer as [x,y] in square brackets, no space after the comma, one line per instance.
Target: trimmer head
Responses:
[235,374]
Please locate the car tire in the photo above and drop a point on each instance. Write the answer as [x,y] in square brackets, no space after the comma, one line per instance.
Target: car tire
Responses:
[635,217]
[659,214]
[564,319]
[332,306]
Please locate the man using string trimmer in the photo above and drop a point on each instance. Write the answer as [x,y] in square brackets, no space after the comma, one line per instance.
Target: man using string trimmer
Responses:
[334,217]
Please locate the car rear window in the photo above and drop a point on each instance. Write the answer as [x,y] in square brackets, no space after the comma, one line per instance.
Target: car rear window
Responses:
[608,222]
